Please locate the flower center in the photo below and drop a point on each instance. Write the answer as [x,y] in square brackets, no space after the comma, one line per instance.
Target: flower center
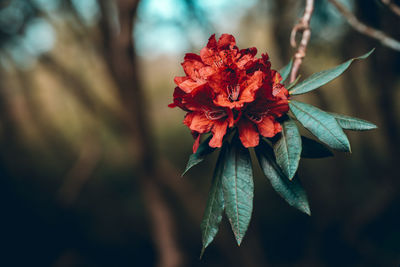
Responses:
[233,92]
[256,117]
[215,114]
[218,63]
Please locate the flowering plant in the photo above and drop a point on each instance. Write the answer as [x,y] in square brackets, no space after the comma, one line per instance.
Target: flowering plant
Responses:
[243,103]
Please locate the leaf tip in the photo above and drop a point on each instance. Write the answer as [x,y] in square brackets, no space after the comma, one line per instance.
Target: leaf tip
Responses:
[192,162]
[291,175]
[370,52]
[238,239]
[308,212]
[185,171]
[305,208]
[202,252]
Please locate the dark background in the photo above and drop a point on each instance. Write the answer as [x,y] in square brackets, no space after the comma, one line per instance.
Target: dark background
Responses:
[90,155]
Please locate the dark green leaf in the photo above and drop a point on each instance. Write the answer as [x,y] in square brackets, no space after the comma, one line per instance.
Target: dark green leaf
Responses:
[320,78]
[215,203]
[201,153]
[313,149]
[238,187]
[284,72]
[323,125]
[291,190]
[351,123]
[288,148]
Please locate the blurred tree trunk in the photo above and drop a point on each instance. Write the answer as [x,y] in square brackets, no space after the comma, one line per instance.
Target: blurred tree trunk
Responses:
[121,60]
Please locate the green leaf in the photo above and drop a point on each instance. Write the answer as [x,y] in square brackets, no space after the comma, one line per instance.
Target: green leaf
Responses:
[291,190]
[313,149]
[288,148]
[290,86]
[215,203]
[202,152]
[284,72]
[238,187]
[351,123]
[323,125]
[320,78]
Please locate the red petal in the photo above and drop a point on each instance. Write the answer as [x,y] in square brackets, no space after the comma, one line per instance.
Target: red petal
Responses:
[246,56]
[218,131]
[249,51]
[178,97]
[206,71]
[188,85]
[196,143]
[278,108]
[225,41]
[248,133]
[268,127]
[192,68]
[197,121]
[230,119]
[178,80]
[207,56]
[252,85]
[212,42]
[192,56]
[222,100]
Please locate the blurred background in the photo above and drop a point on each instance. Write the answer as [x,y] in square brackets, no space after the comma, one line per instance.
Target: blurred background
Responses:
[91,156]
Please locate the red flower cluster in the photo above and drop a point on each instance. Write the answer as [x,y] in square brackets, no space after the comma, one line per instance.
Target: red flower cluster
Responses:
[226,87]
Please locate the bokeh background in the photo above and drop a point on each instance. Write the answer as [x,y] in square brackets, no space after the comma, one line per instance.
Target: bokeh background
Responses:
[91,156]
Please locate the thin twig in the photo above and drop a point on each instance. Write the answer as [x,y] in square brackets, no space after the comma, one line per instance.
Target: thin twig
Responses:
[392,6]
[304,26]
[364,29]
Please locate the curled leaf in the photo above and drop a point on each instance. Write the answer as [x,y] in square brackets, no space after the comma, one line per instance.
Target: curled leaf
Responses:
[323,77]
[351,123]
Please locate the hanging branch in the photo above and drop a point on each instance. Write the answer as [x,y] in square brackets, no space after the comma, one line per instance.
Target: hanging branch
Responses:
[364,29]
[395,8]
[304,26]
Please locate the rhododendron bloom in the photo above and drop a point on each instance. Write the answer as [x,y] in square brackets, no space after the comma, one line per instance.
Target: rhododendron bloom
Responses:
[225,87]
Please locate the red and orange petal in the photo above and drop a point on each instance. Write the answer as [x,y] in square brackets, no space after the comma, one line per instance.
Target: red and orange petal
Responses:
[226,41]
[218,131]
[246,57]
[196,143]
[250,87]
[278,108]
[248,134]
[269,127]
[198,122]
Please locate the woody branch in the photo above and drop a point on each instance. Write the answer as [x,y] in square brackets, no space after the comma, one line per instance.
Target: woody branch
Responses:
[395,8]
[304,26]
[364,29]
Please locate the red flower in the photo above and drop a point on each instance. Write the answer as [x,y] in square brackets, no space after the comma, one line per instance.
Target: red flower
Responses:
[259,117]
[224,87]
[203,115]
